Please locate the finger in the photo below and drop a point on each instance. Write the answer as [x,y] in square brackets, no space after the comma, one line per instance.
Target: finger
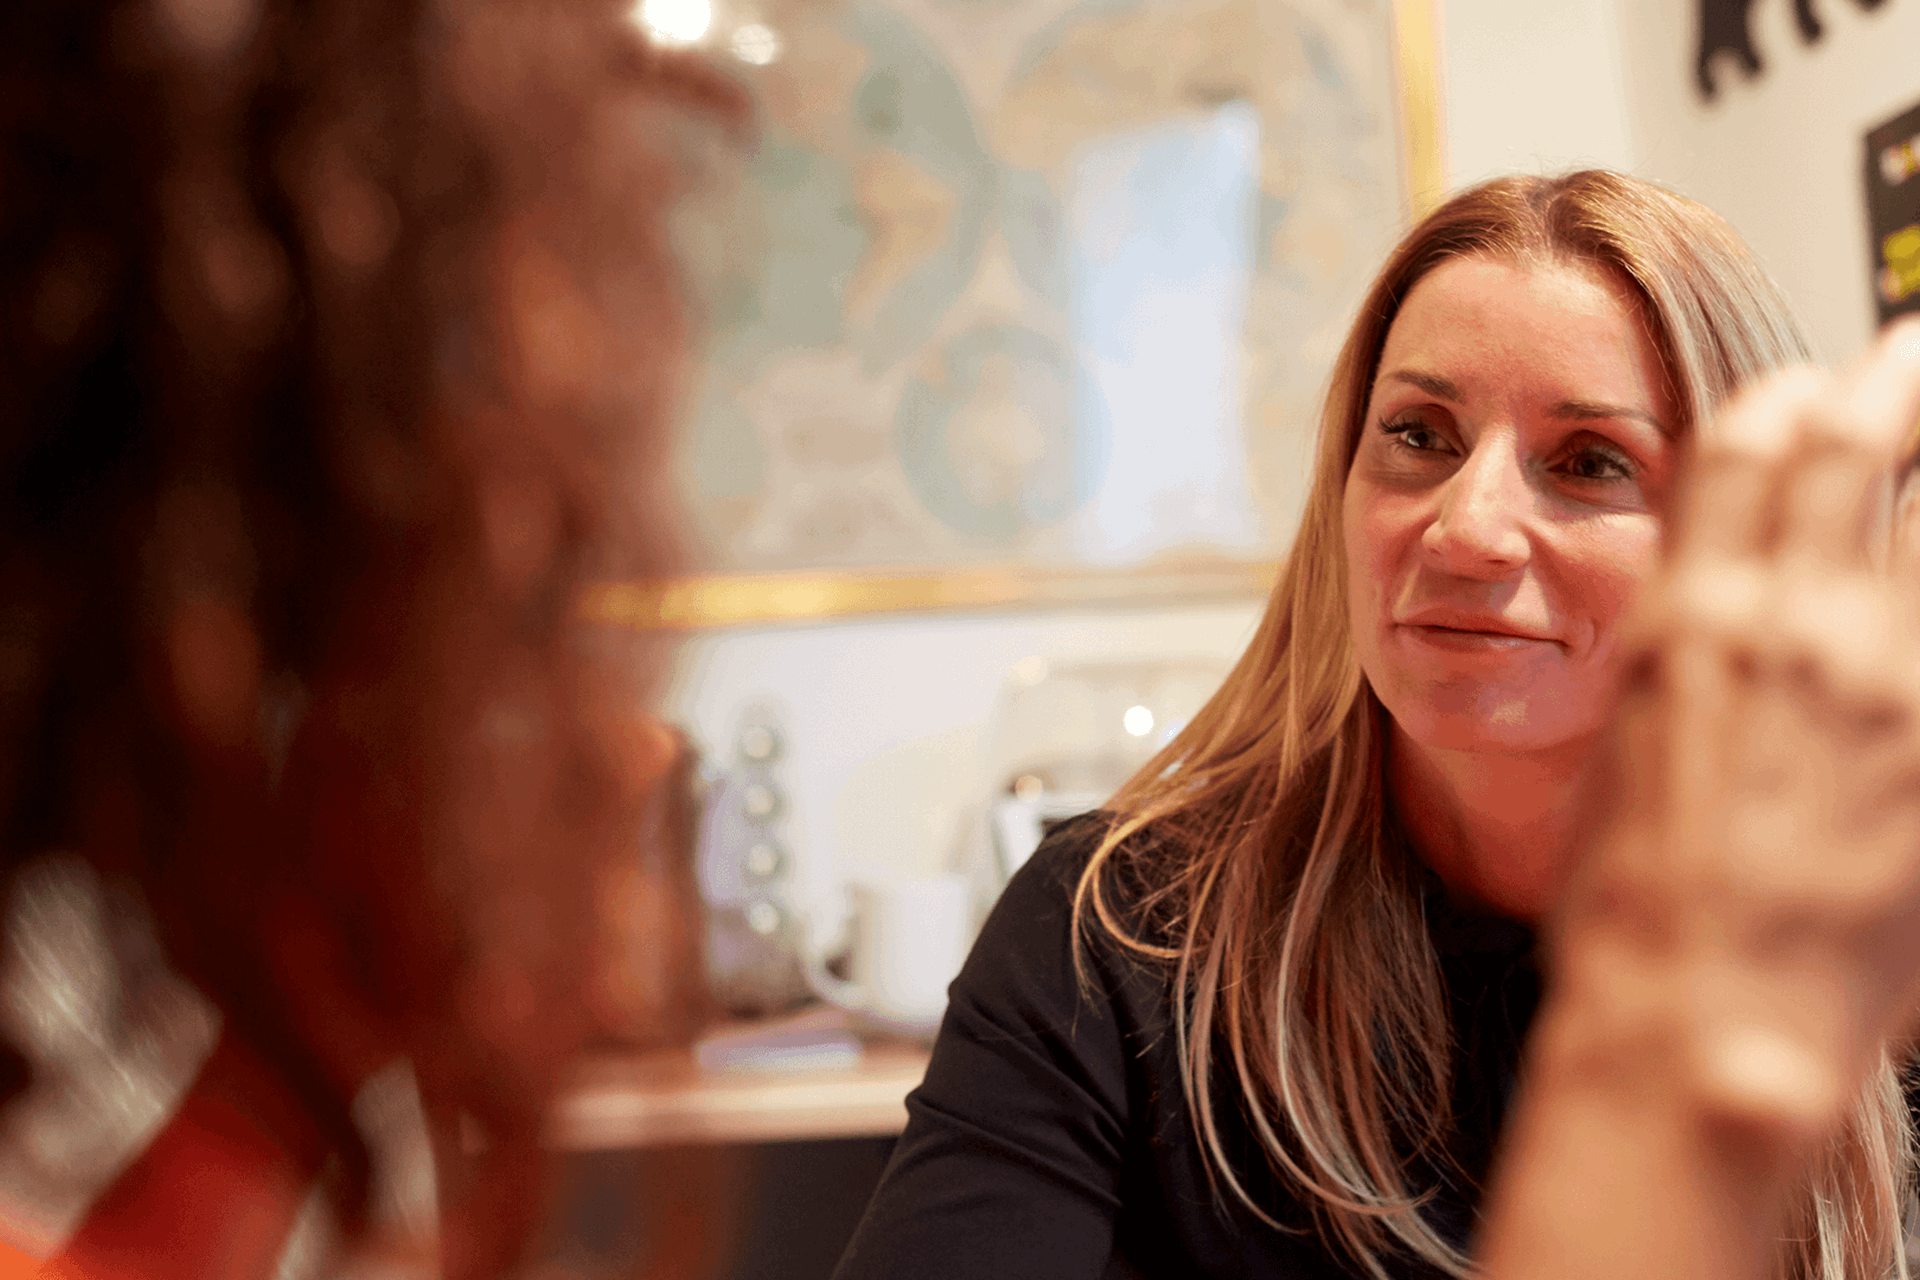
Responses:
[1833,477]
[1728,513]
[1904,536]
[1830,489]
[1727,597]
[1725,513]
[1763,418]
[1846,630]
[1705,695]
[1883,394]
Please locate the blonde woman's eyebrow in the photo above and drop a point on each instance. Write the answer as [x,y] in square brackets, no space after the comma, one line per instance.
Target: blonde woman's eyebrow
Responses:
[1431,383]
[1592,411]
[1568,410]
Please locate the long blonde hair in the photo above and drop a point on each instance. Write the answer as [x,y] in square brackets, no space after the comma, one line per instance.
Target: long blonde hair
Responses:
[1302,967]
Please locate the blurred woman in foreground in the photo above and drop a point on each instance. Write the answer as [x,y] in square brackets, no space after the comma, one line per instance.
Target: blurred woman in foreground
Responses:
[337,341]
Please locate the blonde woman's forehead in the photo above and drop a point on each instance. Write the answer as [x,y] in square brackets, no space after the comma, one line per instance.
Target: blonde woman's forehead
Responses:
[1574,332]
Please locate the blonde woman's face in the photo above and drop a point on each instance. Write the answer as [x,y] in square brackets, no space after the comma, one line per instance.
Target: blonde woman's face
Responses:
[1505,502]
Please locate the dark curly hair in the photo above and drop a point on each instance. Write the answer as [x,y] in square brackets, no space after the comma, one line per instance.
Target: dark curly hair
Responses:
[335,343]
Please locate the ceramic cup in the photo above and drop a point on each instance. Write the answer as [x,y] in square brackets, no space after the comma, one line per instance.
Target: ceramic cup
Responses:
[909,936]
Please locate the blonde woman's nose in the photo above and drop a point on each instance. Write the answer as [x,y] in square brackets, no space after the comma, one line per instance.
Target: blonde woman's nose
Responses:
[1479,530]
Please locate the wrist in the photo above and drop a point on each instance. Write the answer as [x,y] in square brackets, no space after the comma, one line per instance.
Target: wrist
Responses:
[1758,1048]
[1618,1163]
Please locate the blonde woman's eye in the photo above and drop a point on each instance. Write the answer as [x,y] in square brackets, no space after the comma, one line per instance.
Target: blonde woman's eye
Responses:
[1600,464]
[1415,434]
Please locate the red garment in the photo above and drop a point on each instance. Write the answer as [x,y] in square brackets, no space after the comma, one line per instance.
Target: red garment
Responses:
[15,1265]
[212,1197]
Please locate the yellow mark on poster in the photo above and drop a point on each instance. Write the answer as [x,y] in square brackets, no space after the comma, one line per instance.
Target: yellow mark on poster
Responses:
[1900,277]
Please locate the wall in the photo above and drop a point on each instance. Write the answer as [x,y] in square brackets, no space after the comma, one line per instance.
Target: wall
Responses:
[887,719]
[1533,86]
[1549,84]
[1779,156]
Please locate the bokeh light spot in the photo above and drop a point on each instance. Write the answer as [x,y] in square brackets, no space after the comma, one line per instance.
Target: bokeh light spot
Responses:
[757,44]
[676,21]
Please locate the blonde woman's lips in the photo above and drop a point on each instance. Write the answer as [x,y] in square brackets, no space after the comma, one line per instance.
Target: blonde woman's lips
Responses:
[1458,641]
[1465,631]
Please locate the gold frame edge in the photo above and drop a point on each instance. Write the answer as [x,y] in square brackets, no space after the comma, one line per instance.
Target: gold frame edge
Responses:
[707,602]
[1416,65]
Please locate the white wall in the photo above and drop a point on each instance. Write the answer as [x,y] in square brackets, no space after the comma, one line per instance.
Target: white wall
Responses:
[887,718]
[1533,86]
[1544,85]
[1779,156]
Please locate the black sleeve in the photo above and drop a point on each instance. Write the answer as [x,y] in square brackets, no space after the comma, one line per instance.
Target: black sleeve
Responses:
[1011,1162]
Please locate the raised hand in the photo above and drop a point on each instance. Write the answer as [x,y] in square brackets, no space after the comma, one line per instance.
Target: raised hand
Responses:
[1767,843]
[1734,955]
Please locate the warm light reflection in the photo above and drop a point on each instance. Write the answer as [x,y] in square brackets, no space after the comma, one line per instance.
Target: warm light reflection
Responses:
[1138,721]
[676,21]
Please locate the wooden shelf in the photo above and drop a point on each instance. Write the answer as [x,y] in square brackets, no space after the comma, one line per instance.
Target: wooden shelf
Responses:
[650,1099]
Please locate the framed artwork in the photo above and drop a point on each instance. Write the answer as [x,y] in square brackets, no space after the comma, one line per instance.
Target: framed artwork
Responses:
[1028,302]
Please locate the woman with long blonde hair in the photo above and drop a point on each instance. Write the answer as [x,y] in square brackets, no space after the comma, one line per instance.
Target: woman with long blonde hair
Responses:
[1264,1015]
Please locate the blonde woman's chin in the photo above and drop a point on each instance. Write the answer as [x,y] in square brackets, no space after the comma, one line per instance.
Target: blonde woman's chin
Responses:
[1496,720]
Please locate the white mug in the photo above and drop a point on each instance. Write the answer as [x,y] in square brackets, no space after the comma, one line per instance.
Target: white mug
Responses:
[909,937]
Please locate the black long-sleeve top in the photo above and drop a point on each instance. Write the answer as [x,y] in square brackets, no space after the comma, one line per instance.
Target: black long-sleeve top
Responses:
[1051,1138]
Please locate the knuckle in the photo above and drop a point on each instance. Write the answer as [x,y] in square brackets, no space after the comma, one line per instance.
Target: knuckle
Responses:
[1764,419]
